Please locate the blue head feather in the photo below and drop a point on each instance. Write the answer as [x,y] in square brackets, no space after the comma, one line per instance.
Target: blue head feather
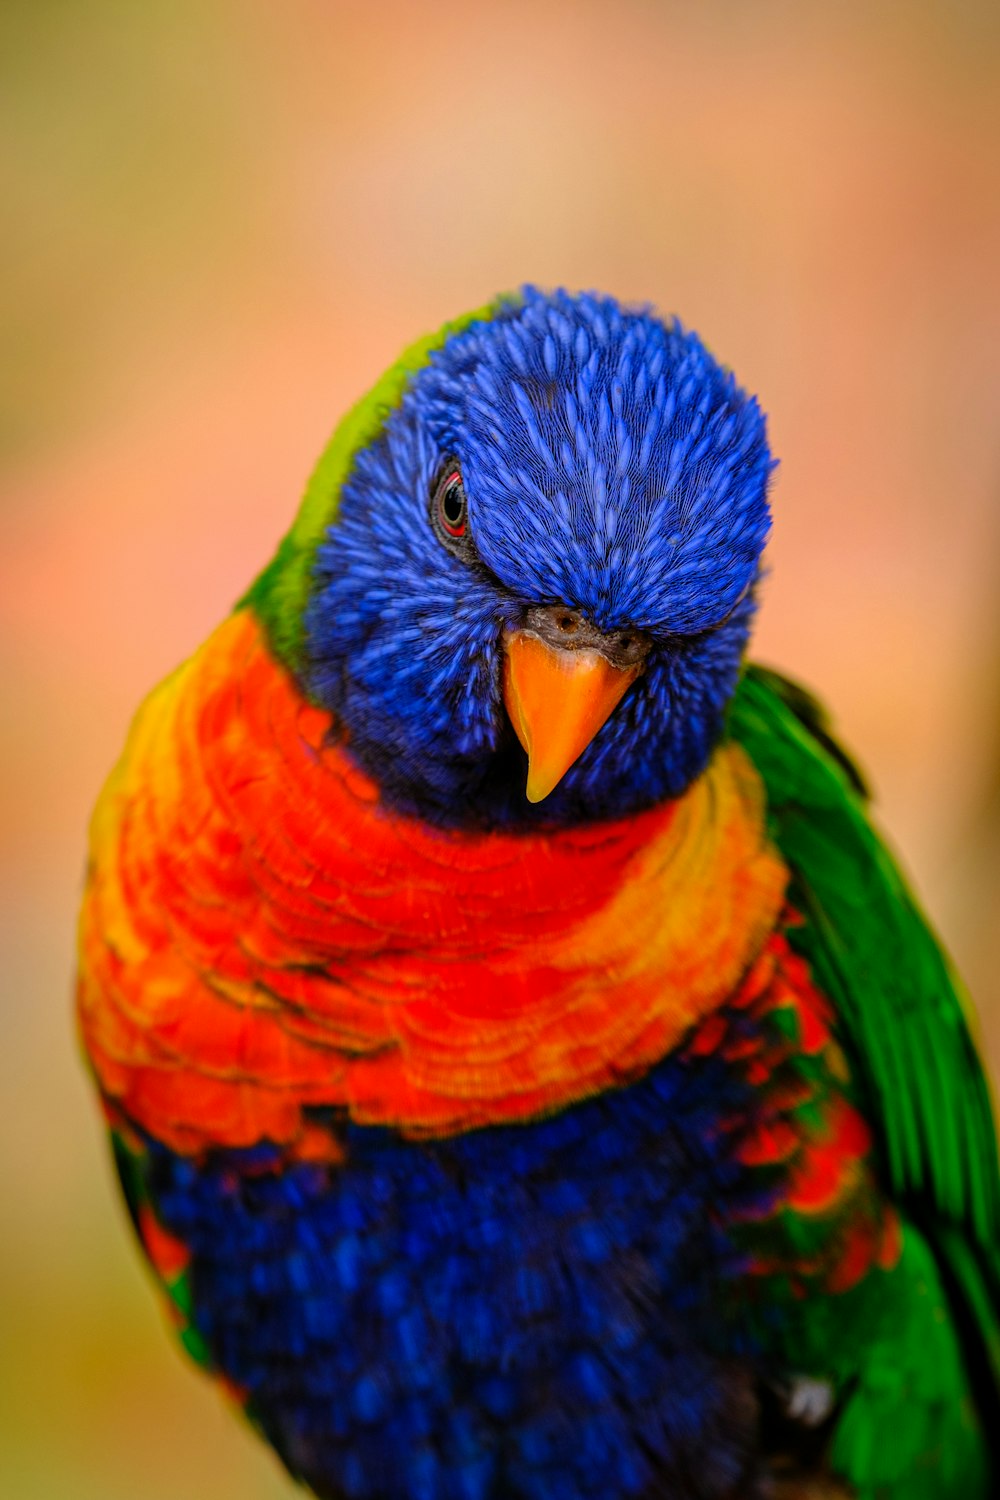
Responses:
[610,465]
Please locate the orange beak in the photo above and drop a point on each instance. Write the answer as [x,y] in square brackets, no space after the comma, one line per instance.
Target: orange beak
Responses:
[557,700]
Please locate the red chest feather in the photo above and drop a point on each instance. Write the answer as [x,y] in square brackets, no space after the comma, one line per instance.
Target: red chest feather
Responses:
[261,934]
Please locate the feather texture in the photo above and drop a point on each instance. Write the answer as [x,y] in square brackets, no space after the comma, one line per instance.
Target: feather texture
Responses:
[631,1143]
[261,937]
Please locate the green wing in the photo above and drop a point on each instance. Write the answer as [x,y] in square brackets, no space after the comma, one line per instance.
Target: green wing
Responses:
[902,1023]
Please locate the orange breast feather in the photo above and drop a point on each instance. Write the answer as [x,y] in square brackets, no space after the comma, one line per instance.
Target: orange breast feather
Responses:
[260,934]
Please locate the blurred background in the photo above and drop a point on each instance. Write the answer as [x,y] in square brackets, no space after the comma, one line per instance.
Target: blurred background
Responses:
[221,220]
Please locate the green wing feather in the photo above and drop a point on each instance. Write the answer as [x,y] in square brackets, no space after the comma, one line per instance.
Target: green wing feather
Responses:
[902,1021]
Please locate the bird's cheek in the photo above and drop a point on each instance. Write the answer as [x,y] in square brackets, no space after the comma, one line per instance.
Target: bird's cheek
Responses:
[557,701]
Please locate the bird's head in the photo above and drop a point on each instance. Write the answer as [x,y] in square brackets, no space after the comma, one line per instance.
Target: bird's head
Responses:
[523,576]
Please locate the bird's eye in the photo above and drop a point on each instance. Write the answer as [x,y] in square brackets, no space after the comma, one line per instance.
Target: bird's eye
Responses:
[451,505]
[449,512]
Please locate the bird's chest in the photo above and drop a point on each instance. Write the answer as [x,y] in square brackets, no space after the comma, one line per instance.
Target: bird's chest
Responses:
[541,1305]
[454,1139]
[261,936]
[570,1306]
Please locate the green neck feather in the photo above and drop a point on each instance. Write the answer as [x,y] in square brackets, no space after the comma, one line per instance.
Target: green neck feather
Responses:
[278,596]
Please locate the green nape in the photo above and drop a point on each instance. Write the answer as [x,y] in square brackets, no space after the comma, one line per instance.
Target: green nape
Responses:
[278,595]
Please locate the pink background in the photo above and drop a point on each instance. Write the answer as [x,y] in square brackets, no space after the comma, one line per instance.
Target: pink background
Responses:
[223,218]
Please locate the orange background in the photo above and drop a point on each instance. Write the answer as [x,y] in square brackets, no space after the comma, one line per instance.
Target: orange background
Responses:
[222,219]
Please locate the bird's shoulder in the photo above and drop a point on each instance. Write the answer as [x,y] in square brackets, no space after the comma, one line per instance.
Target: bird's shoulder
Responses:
[901,1010]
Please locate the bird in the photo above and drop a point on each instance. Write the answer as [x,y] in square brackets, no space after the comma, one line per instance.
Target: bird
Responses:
[526,1069]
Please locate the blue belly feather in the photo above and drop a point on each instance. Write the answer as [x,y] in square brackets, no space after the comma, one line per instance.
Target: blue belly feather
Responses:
[538,1310]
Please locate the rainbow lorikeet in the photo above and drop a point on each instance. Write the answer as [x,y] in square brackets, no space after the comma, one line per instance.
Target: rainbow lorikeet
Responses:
[527,1071]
